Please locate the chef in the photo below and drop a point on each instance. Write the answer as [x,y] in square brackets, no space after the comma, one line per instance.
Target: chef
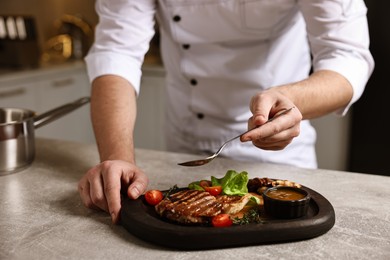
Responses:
[230,66]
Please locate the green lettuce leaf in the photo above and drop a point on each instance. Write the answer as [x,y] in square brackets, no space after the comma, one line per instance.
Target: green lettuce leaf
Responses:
[233,183]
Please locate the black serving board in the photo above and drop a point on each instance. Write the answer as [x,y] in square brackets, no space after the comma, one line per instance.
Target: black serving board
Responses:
[141,220]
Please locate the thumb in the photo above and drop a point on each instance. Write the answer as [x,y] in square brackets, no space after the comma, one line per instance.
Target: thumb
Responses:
[260,111]
[138,186]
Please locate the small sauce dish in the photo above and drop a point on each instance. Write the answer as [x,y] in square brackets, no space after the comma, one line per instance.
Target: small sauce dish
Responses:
[286,202]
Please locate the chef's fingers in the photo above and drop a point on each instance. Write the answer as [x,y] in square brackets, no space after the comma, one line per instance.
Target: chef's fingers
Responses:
[84,191]
[139,183]
[112,172]
[281,130]
[276,140]
[283,125]
[97,193]
[266,105]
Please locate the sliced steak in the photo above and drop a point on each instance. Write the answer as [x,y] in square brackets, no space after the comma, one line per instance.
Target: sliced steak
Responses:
[189,207]
[233,204]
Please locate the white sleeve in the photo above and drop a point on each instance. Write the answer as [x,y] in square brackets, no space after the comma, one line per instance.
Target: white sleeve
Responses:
[122,39]
[339,40]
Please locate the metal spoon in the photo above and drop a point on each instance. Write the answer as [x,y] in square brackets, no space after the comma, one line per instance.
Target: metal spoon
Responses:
[210,158]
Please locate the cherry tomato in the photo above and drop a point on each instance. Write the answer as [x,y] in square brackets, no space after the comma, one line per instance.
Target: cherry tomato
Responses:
[214,190]
[153,197]
[222,220]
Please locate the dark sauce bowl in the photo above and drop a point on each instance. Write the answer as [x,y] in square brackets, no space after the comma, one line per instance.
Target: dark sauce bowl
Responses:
[286,202]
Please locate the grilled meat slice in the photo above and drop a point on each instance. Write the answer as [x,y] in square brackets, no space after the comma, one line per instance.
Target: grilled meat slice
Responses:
[233,204]
[189,207]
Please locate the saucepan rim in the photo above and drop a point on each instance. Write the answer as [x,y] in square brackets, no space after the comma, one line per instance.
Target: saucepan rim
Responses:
[27,114]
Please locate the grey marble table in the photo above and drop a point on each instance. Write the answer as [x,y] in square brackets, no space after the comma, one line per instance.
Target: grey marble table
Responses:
[42,217]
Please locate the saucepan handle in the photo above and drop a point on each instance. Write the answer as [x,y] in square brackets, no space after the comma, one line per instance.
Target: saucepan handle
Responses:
[51,115]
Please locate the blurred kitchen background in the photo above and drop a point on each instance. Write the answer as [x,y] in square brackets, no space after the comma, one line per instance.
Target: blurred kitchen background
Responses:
[47,19]
[41,67]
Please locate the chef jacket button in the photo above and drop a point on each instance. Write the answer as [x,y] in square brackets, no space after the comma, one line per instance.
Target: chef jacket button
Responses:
[200,116]
[176,18]
[186,46]
[193,82]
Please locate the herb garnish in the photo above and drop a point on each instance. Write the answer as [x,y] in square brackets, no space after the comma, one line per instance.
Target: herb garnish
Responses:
[252,216]
[171,190]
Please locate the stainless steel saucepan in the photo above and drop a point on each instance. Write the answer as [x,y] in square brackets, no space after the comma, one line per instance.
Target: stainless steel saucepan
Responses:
[17,138]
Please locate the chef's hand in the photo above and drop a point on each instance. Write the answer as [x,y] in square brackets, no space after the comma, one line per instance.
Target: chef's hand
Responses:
[278,133]
[101,186]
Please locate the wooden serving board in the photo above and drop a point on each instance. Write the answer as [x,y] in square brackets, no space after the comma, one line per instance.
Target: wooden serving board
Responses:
[141,220]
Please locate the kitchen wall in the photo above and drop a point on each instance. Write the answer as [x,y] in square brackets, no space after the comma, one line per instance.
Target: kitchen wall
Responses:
[46,12]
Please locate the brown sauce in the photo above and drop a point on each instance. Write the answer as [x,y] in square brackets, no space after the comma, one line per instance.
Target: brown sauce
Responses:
[285,194]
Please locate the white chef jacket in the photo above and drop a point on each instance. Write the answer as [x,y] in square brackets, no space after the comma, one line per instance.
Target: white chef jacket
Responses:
[219,53]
